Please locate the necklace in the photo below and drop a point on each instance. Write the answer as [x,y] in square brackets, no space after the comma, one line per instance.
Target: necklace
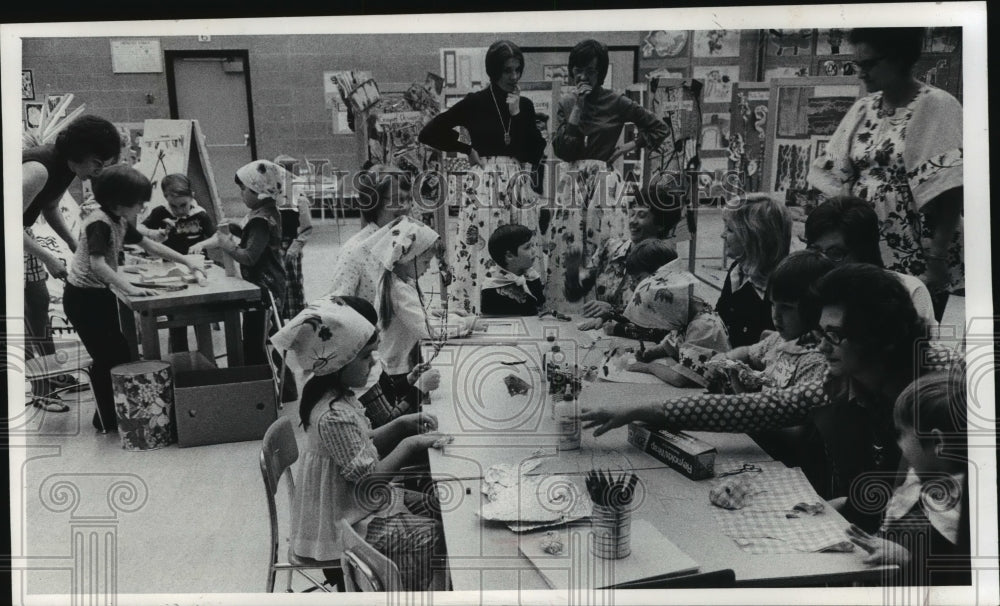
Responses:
[506,129]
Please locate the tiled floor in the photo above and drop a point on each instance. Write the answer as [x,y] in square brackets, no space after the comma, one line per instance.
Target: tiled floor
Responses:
[198,520]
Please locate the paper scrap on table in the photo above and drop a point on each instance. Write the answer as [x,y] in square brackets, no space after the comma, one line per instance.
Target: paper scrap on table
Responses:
[617,372]
[529,502]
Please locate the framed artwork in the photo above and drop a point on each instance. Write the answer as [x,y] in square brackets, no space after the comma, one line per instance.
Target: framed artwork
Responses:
[715,131]
[717,43]
[664,44]
[785,42]
[27,85]
[33,114]
[718,81]
[791,164]
[52,102]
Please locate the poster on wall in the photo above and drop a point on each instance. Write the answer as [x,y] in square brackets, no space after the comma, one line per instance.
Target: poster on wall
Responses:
[749,135]
[823,114]
[717,43]
[833,42]
[464,68]
[32,114]
[664,44]
[718,81]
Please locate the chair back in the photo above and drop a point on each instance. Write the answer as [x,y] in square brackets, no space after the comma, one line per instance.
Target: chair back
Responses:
[278,451]
[365,568]
[272,324]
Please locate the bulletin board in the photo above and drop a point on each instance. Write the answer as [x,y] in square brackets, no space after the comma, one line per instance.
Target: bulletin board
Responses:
[804,113]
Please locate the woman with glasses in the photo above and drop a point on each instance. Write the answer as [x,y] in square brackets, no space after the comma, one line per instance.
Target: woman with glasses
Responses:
[900,148]
[504,144]
[869,333]
[845,230]
[591,212]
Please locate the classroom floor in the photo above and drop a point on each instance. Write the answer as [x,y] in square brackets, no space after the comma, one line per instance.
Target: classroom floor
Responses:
[197,521]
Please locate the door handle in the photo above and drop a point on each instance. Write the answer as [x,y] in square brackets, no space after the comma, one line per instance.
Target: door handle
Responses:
[246,139]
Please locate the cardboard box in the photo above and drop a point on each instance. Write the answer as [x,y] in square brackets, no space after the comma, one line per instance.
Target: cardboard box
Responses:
[690,456]
[219,405]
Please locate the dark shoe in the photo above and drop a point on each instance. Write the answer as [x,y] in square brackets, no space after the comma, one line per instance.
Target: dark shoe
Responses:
[67,383]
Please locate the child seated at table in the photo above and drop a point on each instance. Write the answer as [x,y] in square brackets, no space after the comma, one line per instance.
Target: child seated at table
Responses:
[404,248]
[258,252]
[91,307]
[790,354]
[512,287]
[346,467]
[695,332]
[643,260]
[178,224]
[925,529]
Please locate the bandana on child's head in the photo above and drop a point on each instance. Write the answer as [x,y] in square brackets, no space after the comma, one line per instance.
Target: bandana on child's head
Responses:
[265,178]
[400,241]
[662,300]
[325,336]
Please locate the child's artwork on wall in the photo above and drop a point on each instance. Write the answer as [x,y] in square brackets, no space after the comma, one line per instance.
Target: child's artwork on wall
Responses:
[791,164]
[678,73]
[819,145]
[27,85]
[775,73]
[836,67]
[32,115]
[785,42]
[715,131]
[556,73]
[833,42]
[718,81]
[131,134]
[942,39]
[717,43]
[791,112]
[712,176]
[664,44]
[823,114]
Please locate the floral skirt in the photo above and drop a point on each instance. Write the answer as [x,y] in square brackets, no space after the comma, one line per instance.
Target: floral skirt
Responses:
[498,195]
[590,207]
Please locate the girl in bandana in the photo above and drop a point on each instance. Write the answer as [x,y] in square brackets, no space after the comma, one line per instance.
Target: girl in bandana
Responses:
[405,248]
[341,474]
[258,250]
[694,332]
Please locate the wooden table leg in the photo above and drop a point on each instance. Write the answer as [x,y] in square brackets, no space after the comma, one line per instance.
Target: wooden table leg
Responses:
[234,338]
[150,336]
[126,320]
[203,335]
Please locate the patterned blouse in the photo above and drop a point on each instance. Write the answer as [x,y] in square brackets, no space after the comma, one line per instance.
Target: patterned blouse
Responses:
[899,161]
[609,280]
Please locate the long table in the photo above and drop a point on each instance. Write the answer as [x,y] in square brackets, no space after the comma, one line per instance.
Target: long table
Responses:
[221,299]
[492,426]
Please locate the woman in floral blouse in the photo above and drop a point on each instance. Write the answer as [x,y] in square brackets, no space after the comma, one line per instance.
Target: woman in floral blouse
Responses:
[900,148]
[869,329]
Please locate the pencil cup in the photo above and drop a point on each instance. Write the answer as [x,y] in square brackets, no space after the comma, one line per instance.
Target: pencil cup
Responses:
[611,530]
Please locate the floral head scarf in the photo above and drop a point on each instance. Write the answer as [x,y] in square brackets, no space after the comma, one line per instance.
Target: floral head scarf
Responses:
[662,300]
[400,241]
[265,178]
[325,336]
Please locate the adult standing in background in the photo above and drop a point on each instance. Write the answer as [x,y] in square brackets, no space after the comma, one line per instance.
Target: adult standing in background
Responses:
[505,143]
[81,150]
[589,207]
[900,148]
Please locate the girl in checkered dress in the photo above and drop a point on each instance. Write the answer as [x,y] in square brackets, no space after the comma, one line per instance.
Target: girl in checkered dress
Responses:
[343,473]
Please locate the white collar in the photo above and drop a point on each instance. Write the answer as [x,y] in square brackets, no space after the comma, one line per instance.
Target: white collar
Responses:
[739,279]
[940,498]
[501,277]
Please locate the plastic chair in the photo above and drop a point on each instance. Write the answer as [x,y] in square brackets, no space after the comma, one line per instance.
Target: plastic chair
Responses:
[366,568]
[277,454]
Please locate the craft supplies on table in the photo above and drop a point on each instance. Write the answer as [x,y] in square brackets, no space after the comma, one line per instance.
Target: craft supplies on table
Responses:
[777,511]
[526,502]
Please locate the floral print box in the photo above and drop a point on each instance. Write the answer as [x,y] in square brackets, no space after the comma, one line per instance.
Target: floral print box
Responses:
[144,404]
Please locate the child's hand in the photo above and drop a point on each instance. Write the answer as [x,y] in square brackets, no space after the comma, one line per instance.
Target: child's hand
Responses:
[199,273]
[429,381]
[424,441]
[419,422]
[609,327]
[643,367]
[294,249]
[880,551]
[650,353]
[227,244]
[573,260]
[590,324]
[135,291]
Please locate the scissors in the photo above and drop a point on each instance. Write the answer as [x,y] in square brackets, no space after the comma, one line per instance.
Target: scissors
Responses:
[747,468]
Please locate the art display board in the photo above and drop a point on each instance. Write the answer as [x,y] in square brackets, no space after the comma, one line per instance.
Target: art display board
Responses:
[750,114]
[803,113]
[178,146]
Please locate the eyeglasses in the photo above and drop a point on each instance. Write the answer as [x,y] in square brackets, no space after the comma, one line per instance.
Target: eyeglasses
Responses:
[867,64]
[833,338]
[834,253]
